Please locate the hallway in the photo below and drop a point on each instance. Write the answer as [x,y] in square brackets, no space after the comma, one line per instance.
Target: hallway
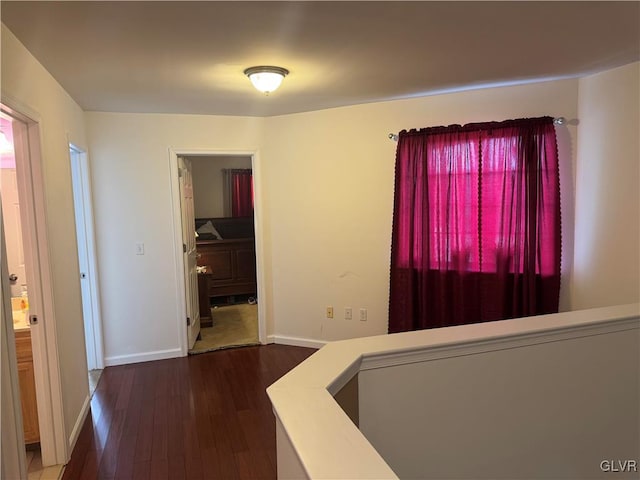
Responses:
[197,417]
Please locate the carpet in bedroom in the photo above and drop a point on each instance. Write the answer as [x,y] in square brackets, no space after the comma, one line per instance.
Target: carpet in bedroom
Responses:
[233,326]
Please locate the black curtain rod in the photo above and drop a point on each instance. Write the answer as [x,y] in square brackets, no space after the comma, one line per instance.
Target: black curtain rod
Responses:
[556,121]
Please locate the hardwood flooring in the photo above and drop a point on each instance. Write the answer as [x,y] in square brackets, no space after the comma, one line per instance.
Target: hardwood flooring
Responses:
[198,417]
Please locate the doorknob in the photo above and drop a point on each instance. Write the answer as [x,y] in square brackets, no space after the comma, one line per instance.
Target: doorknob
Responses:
[13,278]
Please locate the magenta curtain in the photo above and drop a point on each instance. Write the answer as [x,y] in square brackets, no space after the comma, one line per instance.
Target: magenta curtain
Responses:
[241,193]
[476,231]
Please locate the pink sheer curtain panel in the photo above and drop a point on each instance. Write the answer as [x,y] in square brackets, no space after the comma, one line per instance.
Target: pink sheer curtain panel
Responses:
[476,231]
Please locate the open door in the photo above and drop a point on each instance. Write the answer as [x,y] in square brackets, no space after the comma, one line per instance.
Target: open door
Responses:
[189,250]
[12,454]
[86,257]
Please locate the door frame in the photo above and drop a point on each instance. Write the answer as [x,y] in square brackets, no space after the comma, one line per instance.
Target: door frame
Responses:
[53,442]
[177,235]
[81,184]
[190,254]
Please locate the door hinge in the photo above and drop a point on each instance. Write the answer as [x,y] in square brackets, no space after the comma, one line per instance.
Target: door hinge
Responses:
[180,173]
[188,322]
[184,248]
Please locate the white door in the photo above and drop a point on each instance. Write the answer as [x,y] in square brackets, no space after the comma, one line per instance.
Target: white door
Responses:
[189,250]
[88,280]
[12,454]
[15,249]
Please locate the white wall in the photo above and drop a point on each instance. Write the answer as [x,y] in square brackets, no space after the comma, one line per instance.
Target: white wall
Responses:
[25,82]
[132,203]
[607,230]
[329,181]
[208,183]
[327,198]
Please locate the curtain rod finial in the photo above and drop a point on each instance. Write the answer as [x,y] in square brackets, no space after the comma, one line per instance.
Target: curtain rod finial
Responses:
[393,136]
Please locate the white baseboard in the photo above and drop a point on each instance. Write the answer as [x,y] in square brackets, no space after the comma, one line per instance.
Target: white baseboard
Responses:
[77,426]
[142,357]
[296,341]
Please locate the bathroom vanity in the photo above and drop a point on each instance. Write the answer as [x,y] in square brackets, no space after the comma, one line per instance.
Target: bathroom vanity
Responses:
[26,377]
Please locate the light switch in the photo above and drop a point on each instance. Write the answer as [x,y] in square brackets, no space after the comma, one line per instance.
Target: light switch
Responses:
[139,248]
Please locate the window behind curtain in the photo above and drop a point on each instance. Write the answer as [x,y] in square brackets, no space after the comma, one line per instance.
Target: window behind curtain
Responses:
[476,233]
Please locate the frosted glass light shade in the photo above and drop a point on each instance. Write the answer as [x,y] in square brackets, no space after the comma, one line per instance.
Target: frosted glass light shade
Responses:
[266,78]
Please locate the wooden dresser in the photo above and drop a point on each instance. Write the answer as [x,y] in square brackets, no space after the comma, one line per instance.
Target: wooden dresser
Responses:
[231,270]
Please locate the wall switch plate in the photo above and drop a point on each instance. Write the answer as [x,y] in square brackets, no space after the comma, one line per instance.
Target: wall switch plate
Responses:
[348,313]
[139,248]
[363,314]
[329,312]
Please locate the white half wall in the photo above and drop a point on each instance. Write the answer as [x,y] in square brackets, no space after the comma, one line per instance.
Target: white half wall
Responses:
[550,410]
[545,397]
[607,218]
[26,84]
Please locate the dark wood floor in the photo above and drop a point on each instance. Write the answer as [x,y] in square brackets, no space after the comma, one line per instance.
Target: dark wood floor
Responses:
[199,417]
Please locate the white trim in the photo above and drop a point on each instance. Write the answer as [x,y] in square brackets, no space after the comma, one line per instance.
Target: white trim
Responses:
[181,306]
[177,236]
[506,342]
[143,357]
[77,426]
[81,162]
[297,341]
[258,227]
[41,299]
[345,376]
[49,351]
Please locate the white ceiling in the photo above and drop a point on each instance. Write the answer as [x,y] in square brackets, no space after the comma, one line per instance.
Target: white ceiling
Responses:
[189,57]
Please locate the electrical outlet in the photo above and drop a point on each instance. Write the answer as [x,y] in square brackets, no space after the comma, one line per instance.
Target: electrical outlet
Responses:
[329,312]
[363,314]
[348,313]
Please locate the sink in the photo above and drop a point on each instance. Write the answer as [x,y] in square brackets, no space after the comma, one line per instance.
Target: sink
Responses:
[20,314]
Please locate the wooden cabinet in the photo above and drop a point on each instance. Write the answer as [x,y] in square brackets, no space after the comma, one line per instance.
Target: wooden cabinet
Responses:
[27,381]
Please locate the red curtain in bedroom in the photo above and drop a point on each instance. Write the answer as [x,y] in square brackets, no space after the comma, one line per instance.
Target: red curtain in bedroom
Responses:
[241,193]
[476,232]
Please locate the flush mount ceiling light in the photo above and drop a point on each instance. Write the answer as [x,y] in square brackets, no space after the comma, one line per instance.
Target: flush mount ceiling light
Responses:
[266,78]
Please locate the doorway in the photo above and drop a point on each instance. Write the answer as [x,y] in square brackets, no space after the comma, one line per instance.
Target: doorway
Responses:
[87,261]
[225,240]
[30,298]
[229,252]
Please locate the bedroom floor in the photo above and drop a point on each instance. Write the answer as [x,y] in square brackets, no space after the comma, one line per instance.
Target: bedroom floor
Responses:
[233,326]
